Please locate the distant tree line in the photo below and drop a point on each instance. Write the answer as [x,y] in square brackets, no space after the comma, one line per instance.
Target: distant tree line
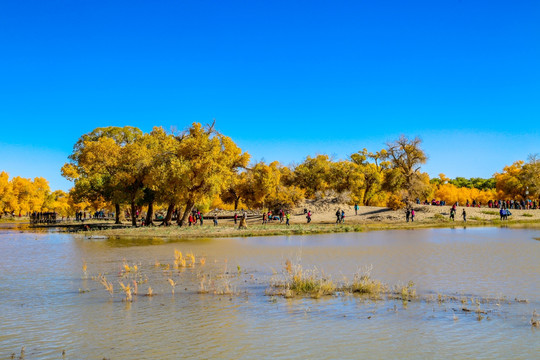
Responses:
[123,168]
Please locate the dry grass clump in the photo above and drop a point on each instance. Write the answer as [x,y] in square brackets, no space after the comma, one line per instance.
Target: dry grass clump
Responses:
[534,319]
[296,281]
[172,283]
[129,269]
[310,281]
[106,284]
[364,284]
[179,260]
[127,291]
[301,282]
[407,292]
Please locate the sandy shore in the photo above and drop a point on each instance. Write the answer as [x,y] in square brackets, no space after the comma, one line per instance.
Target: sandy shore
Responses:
[372,214]
[324,221]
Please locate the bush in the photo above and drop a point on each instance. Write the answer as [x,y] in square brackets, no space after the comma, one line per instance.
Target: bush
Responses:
[395,202]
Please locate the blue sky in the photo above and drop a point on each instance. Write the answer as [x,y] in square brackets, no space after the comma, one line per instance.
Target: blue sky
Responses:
[283,79]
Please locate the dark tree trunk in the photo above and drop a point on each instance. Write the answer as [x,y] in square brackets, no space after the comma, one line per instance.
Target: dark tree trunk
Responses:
[168,217]
[117,214]
[150,214]
[236,201]
[133,216]
[187,211]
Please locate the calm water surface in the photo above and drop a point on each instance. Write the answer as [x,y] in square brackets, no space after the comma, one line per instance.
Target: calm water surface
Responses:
[48,304]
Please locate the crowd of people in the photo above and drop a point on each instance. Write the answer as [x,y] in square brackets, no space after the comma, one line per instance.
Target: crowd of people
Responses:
[498,204]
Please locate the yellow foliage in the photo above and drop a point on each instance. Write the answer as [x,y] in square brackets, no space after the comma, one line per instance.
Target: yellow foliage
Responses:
[395,202]
[452,194]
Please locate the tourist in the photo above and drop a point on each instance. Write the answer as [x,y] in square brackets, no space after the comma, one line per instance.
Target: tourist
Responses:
[464,214]
[308,216]
[338,216]
[407,214]
[412,215]
[287,218]
[235,218]
[356,209]
[215,219]
[342,216]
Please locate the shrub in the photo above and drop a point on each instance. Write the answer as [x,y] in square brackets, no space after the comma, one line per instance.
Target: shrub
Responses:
[395,202]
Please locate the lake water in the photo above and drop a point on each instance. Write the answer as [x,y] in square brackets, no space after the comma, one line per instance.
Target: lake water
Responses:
[48,304]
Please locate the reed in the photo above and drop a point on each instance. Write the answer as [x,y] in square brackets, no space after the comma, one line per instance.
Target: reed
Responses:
[172,283]
[534,319]
[202,284]
[309,282]
[106,284]
[129,269]
[191,258]
[407,292]
[364,284]
[150,292]
[127,291]
[179,260]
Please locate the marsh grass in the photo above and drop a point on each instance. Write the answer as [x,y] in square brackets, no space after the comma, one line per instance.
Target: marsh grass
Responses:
[407,292]
[364,284]
[298,281]
[127,291]
[172,283]
[527,215]
[490,212]
[106,284]
[535,322]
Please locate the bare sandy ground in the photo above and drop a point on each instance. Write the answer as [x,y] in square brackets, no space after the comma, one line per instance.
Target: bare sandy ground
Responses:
[371,214]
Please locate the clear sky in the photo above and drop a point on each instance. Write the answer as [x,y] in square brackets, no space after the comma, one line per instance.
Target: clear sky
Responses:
[284,79]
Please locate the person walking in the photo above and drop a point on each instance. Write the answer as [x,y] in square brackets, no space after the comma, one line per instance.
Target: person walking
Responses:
[287,218]
[342,216]
[215,219]
[464,214]
[338,216]
[412,215]
[264,218]
[235,218]
[407,214]
[356,209]
[308,216]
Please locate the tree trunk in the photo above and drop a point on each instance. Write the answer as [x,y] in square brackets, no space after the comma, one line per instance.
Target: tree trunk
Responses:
[189,207]
[150,214]
[133,216]
[236,201]
[117,214]
[168,217]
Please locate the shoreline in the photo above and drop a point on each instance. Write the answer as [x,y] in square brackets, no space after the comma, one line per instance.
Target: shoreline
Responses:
[323,222]
[222,231]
